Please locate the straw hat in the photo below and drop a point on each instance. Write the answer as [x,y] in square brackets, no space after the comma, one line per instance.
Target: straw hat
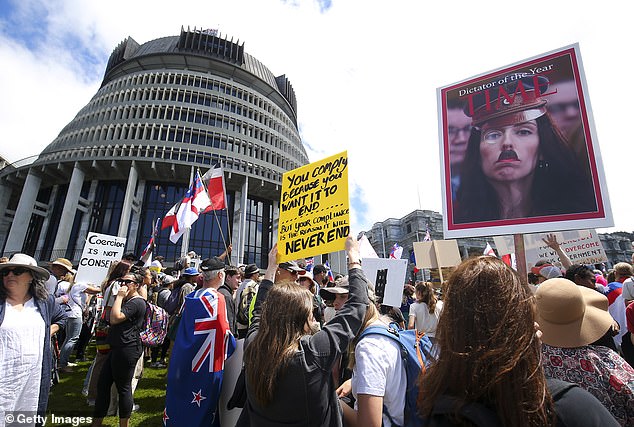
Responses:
[23,260]
[63,262]
[570,315]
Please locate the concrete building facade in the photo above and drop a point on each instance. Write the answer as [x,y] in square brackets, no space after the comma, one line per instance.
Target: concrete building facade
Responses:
[164,109]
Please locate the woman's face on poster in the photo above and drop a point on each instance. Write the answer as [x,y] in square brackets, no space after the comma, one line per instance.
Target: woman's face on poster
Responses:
[509,153]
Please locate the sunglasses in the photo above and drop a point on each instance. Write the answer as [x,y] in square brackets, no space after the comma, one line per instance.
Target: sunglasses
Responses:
[127,281]
[16,271]
[294,273]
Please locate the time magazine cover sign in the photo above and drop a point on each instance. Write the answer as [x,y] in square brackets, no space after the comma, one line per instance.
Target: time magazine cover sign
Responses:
[519,150]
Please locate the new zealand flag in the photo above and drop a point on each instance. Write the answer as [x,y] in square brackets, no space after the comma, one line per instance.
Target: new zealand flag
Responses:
[194,378]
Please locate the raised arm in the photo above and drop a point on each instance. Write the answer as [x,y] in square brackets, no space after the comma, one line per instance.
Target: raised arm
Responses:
[552,243]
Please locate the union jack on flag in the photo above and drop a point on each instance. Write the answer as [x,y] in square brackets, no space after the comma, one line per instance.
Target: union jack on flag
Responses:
[310,263]
[194,378]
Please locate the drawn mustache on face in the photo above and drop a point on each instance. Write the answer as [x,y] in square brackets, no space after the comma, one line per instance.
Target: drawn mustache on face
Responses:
[507,156]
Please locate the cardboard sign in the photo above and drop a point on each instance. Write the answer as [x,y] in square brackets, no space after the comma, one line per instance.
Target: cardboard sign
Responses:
[314,209]
[581,246]
[437,253]
[526,128]
[388,276]
[99,252]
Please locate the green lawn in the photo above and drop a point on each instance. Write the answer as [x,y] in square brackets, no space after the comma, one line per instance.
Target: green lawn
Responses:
[66,398]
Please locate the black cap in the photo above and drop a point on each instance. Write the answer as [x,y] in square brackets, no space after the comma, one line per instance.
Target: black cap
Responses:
[212,264]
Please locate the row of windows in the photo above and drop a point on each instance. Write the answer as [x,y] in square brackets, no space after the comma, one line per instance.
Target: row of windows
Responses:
[179,134]
[195,80]
[167,154]
[188,97]
[176,113]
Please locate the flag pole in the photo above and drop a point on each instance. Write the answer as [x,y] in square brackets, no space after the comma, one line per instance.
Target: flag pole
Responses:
[222,235]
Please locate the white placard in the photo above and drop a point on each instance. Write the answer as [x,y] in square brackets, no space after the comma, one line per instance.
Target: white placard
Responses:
[396,272]
[99,252]
[581,246]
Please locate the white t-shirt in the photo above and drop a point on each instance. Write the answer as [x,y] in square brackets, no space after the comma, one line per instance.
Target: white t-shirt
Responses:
[425,321]
[379,371]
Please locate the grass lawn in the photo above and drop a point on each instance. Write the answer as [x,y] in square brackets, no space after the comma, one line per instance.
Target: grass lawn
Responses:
[66,398]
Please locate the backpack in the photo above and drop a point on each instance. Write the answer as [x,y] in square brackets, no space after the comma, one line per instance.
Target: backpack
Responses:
[242,311]
[172,303]
[154,326]
[416,352]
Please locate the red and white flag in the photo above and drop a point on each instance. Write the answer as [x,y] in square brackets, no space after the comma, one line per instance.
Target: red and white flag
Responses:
[193,204]
[489,251]
[215,179]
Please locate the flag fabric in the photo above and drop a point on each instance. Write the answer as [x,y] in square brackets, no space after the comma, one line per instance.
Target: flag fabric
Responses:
[412,259]
[331,277]
[427,237]
[216,189]
[489,251]
[195,201]
[396,252]
[510,260]
[170,217]
[155,231]
[310,263]
[194,378]
[365,248]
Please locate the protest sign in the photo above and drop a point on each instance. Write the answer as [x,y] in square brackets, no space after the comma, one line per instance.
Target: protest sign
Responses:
[524,129]
[99,252]
[314,209]
[437,255]
[388,276]
[581,246]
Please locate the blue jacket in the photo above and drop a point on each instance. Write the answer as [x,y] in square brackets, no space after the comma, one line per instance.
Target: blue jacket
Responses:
[51,313]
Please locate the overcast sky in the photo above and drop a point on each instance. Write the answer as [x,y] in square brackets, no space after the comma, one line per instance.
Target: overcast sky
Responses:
[365,74]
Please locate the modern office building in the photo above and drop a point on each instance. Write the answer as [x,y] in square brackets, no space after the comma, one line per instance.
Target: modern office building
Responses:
[164,109]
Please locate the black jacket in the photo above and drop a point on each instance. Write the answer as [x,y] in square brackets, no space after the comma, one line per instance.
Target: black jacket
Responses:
[305,393]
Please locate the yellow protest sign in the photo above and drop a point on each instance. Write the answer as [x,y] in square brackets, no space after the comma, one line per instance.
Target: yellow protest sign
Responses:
[314,209]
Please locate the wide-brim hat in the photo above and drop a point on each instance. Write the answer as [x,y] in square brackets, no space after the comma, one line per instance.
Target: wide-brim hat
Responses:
[23,260]
[341,287]
[569,315]
[63,262]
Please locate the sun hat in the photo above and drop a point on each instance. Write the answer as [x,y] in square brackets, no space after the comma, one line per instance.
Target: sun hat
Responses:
[23,260]
[341,287]
[549,272]
[570,315]
[63,262]
[191,271]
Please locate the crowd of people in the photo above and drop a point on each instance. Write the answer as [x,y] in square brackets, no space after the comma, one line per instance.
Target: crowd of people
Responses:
[549,350]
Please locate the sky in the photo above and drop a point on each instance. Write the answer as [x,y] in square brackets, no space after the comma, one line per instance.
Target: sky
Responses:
[365,74]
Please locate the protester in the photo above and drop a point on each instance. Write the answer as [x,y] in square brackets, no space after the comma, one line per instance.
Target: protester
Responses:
[161,297]
[245,293]
[109,289]
[335,297]
[227,289]
[379,382]
[29,317]
[517,163]
[69,294]
[425,312]
[288,368]
[306,280]
[407,299]
[320,274]
[571,318]
[203,342]
[126,320]
[489,347]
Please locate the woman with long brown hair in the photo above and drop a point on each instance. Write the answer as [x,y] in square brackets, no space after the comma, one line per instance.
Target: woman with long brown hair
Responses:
[288,365]
[425,312]
[489,360]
